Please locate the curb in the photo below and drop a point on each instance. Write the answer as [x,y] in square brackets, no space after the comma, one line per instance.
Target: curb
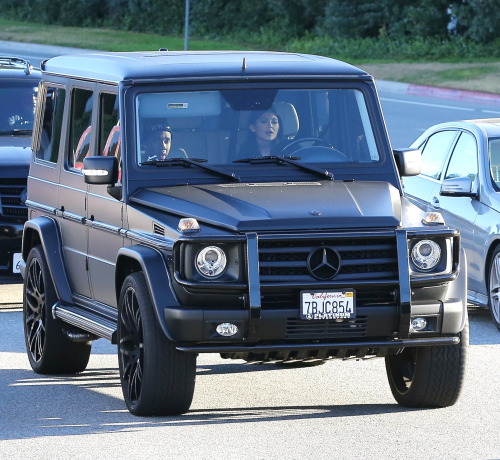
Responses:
[450,93]
[438,92]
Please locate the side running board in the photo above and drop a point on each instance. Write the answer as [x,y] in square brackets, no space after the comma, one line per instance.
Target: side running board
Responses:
[86,320]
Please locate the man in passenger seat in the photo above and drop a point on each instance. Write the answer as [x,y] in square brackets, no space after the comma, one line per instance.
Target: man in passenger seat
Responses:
[158,144]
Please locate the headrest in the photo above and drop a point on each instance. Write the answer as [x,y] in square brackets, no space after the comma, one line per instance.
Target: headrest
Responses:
[289,119]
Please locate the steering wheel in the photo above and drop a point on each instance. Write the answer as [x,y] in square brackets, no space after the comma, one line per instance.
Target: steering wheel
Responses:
[316,141]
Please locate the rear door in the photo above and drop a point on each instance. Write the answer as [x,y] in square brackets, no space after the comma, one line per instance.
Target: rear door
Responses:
[104,213]
[73,190]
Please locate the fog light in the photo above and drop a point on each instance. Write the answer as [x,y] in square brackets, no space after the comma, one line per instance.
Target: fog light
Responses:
[418,324]
[227,329]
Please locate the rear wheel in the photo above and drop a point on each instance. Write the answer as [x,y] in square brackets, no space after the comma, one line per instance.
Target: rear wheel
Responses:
[49,349]
[494,287]
[156,378]
[428,376]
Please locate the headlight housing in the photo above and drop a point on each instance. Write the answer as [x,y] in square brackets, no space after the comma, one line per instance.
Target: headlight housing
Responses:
[207,262]
[211,262]
[426,255]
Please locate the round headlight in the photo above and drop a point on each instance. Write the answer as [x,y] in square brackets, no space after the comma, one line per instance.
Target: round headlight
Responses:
[211,261]
[426,254]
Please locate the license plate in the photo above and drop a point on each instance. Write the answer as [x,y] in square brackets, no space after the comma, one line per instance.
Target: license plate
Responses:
[328,305]
[16,261]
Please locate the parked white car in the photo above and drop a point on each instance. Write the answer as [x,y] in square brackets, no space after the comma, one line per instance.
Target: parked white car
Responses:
[460,178]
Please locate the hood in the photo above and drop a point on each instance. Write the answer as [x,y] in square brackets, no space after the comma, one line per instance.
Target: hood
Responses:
[15,156]
[280,205]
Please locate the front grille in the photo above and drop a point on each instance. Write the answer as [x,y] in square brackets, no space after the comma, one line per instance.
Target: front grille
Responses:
[10,198]
[363,259]
[318,330]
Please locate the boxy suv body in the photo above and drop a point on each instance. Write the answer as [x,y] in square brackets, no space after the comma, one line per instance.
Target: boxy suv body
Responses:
[304,254]
[18,88]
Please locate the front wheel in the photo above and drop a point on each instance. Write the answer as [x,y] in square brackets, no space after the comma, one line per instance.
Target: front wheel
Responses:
[156,378]
[494,287]
[49,349]
[428,376]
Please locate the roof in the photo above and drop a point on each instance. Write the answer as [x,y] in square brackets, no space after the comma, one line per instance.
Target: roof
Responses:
[164,65]
[489,126]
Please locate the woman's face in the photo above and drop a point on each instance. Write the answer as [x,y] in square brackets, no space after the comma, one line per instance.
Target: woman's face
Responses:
[266,127]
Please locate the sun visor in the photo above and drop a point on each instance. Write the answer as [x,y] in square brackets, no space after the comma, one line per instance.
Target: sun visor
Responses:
[179,105]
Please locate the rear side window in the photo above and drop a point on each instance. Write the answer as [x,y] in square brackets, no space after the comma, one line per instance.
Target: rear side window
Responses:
[49,139]
[81,127]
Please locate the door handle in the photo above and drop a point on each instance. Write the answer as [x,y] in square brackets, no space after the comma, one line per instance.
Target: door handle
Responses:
[435,202]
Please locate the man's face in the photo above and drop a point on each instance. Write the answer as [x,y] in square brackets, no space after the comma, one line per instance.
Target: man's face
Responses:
[165,137]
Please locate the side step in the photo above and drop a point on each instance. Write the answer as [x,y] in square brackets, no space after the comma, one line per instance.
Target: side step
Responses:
[97,325]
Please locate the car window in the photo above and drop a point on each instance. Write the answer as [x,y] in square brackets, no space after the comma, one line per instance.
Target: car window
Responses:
[463,161]
[317,125]
[81,130]
[494,153]
[109,128]
[435,151]
[17,106]
[49,138]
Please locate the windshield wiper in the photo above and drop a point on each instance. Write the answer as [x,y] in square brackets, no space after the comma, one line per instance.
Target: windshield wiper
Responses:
[289,160]
[12,132]
[193,161]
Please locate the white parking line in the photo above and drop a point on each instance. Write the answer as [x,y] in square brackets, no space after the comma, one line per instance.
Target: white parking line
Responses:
[439,106]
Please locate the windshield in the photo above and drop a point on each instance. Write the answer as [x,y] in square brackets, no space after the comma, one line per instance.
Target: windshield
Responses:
[231,127]
[18,105]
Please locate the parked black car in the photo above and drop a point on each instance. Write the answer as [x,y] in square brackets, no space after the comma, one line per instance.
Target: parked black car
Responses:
[244,203]
[18,90]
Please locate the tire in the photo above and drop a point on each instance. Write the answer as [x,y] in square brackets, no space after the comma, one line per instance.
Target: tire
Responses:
[428,376]
[494,287]
[156,378]
[49,350]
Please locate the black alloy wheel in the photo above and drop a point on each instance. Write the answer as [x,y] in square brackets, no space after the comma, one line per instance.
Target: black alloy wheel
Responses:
[156,378]
[49,350]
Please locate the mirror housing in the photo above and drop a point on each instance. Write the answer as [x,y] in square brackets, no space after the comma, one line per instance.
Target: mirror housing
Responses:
[408,161]
[100,170]
[457,186]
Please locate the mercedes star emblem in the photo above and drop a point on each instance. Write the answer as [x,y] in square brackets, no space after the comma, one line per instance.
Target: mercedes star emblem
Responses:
[324,263]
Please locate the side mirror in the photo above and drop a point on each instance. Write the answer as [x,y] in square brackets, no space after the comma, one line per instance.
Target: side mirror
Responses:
[457,186]
[100,170]
[408,161]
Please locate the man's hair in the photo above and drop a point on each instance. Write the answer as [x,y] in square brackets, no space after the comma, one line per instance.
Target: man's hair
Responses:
[157,127]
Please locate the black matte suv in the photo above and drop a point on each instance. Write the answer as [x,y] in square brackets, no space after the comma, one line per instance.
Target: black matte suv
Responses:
[18,89]
[241,203]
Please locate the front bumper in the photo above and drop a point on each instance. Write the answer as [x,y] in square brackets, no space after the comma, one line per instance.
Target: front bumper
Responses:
[194,327]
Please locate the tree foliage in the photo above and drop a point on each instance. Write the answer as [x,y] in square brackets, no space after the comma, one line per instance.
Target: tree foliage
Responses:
[276,20]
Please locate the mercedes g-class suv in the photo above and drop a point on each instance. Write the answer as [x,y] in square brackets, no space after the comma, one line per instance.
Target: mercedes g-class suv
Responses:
[18,89]
[241,203]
